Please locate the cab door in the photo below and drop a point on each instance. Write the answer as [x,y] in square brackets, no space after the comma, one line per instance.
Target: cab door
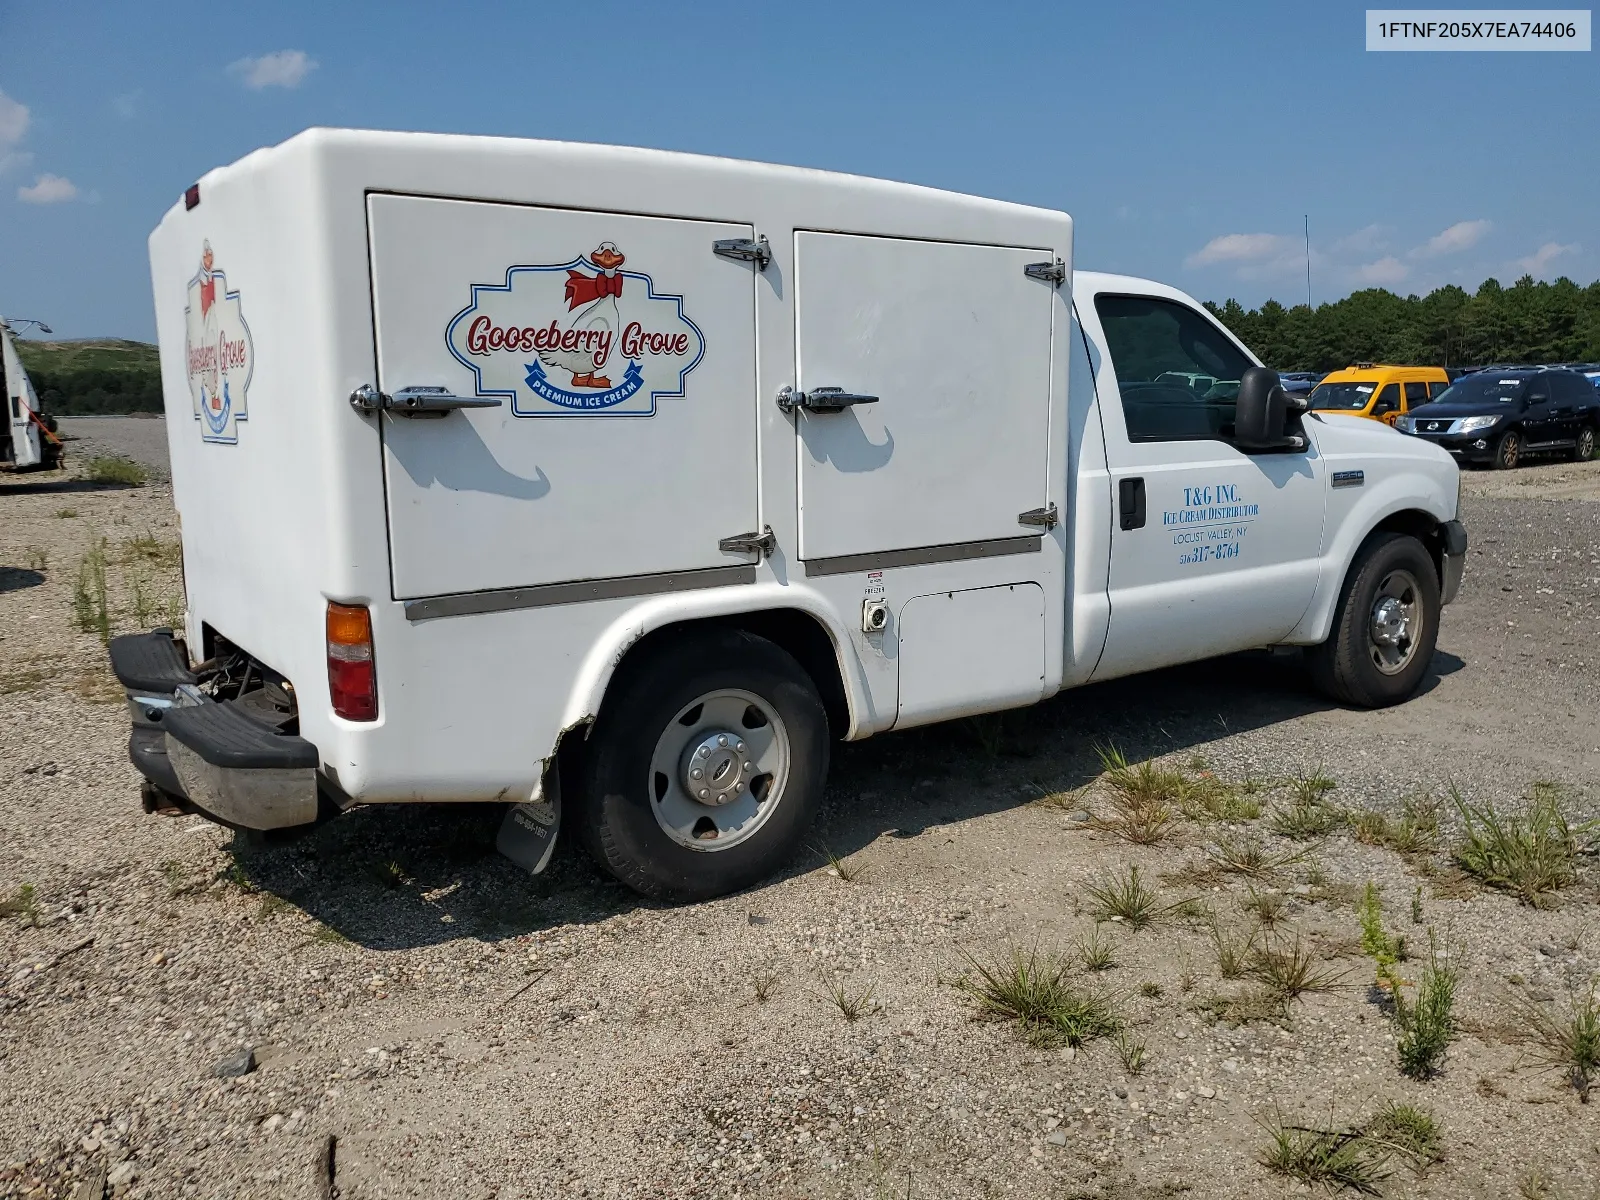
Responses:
[598,423]
[1386,405]
[1212,550]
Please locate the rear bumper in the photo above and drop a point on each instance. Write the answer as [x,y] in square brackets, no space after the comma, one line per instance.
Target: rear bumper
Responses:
[217,757]
[1452,560]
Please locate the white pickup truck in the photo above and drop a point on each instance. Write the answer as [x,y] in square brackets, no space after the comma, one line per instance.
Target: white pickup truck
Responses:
[623,482]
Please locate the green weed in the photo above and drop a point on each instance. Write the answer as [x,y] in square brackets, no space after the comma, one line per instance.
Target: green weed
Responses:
[115,470]
[1529,854]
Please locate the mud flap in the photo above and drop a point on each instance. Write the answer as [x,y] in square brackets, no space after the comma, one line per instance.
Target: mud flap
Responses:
[528,833]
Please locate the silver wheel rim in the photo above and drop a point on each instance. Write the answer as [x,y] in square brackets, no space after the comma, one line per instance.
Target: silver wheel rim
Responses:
[1395,625]
[1511,451]
[1586,443]
[719,770]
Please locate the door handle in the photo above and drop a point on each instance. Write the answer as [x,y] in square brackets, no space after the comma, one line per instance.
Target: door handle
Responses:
[415,401]
[821,400]
[1130,502]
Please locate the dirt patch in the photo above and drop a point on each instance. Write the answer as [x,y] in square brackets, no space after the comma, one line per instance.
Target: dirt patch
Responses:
[463,1030]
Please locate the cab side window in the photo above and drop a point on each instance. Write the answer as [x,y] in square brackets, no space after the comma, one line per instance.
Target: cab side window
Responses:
[1572,389]
[1416,393]
[1437,389]
[1388,400]
[1178,375]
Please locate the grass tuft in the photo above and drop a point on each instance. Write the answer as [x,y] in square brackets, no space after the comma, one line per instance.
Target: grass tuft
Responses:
[1248,856]
[1234,953]
[841,868]
[1131,1052]
[1142,798]
[1291,970]
[115,470]
[1267,907]
[90,605]
[1408,1131]
[853,1004]
[1331,1157]
[1125,898]
[1207,798]
[1097,953]
[1571,1043]
[763,984]
[1033,989]
[22,903]
[1529,854]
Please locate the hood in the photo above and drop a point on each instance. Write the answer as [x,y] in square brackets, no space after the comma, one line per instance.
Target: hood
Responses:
[1355,434]
[1442,409]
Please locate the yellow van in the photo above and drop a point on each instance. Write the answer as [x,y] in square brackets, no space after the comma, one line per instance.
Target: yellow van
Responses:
[1379,392]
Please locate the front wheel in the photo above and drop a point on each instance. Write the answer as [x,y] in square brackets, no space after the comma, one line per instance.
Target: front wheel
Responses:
[1508,450]
[705,770]
[1385,626]
[1583,451]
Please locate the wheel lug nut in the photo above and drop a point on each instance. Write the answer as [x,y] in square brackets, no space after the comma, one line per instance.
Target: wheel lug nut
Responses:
[696,773]
[740,747]
[722,740]
[749,766]
[704,793]
[703,752]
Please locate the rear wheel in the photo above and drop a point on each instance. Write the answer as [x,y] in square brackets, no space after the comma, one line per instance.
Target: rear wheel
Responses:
[1583,451]
[705,770]
[1385,627]
[1508,450]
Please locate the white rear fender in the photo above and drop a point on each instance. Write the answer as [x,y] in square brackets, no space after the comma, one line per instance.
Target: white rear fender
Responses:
[611,647]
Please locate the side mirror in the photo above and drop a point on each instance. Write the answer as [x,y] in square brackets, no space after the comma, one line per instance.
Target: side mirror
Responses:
[1260,417]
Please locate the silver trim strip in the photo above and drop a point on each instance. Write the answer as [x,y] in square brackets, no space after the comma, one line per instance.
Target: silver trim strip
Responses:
[546,594]
[921,556]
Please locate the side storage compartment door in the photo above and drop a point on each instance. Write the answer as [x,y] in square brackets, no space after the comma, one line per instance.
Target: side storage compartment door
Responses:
[615,359]
[955,341]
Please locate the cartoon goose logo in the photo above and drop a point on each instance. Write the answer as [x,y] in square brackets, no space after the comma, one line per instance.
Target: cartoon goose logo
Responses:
[593,300]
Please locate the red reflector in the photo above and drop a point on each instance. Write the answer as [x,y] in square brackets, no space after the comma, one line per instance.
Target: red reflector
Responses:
[354,688]
[191,198]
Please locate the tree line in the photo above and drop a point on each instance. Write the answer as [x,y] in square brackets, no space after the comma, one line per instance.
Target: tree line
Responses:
[1527,322]
[68,391]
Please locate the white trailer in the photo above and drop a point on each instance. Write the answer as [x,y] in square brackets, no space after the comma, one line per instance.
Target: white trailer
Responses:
[506,465]
[30,436]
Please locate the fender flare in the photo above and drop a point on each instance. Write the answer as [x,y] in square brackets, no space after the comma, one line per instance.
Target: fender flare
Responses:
[612,645]
[1390,499]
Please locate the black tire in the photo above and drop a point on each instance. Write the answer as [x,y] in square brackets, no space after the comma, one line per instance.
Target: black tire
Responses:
[617,812]
[1345,667]
[1584,450]
[1508,450]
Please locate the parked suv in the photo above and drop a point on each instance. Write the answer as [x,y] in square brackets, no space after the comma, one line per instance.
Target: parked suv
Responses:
[1496,417]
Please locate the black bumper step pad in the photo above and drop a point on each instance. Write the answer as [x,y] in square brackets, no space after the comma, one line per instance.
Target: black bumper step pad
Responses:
[149,662]
[224,735]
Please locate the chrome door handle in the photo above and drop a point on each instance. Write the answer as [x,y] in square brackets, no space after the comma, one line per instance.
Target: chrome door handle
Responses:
[821,400]
[415,401]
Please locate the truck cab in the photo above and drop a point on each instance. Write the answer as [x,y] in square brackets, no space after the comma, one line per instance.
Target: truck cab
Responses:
[622,483]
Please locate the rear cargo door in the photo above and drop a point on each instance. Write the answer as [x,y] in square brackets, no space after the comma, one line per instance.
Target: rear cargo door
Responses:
[955,342]
[621,352]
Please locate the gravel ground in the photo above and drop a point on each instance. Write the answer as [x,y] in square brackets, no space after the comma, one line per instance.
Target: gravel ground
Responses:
[143,439]
[462,1030]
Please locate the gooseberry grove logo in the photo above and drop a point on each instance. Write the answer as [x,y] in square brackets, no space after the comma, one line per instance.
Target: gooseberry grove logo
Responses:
[218,351]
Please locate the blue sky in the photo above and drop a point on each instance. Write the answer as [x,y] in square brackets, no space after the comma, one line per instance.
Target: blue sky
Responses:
[1186,139]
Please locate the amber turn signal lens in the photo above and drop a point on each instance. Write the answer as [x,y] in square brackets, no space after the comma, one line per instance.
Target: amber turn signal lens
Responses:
[349,625]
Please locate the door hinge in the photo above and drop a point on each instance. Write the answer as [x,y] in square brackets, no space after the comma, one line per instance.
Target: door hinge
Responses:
[758,251]
[1050,272]
[1045,517]
[762,543]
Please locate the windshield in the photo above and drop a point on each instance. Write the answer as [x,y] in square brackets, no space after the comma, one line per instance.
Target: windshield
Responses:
[1484,386]
[1351,397]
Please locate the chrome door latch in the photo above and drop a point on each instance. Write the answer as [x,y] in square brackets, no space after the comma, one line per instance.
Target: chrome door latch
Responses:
[762,543]
[820,400]
[415,401]
[1044,517]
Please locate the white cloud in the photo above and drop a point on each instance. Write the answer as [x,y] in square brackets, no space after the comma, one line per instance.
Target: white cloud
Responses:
[13,121]
[281,68]
[1536,263]
[1461,236]
[15,160]
[1242,248]
[1362,241]
[1386,272]
[48,189]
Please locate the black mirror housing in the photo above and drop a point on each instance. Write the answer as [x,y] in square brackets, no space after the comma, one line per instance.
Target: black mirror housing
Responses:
[1261,414]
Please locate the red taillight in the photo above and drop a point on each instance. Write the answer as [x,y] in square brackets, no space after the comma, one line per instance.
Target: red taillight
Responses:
[352,676]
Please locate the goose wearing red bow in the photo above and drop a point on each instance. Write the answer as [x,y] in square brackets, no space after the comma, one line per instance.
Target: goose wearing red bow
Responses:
[593,300]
